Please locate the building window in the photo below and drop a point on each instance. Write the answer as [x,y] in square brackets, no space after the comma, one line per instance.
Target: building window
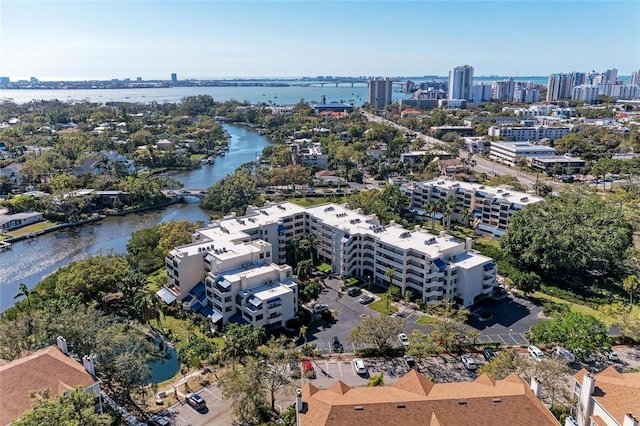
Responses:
[228,308]
[259,317]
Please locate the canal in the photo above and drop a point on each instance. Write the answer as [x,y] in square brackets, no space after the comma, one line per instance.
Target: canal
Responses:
[30,262]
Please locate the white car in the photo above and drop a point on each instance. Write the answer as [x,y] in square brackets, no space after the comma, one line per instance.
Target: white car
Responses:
[359,366]
[562,352]
[403,339]
[469,362]
[611,355]
[319,307]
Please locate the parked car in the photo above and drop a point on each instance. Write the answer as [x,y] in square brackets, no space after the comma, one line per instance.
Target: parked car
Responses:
[562,352]
[489,354]
[336,345]
[611,355]
[535,353]
[582,355]
[409,362]
[158,420]
[359,366]
[403,339]
[469,362]
[354,291]
[319,307]
[294,370]
[366,299]
[196,401]
[309,371]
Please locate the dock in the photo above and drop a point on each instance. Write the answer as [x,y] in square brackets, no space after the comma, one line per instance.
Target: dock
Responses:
[5,246]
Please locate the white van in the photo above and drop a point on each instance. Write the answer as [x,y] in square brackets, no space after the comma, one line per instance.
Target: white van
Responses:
[359,366]
[536,353]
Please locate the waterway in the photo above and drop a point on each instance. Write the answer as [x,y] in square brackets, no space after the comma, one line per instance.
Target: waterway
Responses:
[284,95]
[30,262]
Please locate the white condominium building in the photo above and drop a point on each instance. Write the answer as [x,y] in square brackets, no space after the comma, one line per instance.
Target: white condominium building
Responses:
[510,152]
[234,270]
[488,208]
[530,133]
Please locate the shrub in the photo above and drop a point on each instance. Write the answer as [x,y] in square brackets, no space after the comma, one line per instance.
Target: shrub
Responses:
[326,315]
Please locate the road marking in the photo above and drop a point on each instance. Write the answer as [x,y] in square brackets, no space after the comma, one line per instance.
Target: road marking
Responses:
[340,368]
[180,417]
[514,340]
[207,390]
[503,341]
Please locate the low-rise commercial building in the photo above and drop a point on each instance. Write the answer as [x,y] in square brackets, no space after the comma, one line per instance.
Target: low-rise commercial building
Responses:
[487,208]
[415,400]
[511,152]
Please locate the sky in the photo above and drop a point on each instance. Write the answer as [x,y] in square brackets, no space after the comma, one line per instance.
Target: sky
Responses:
[86,39]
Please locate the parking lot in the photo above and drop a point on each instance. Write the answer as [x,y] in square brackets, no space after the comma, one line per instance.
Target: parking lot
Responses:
[218,411]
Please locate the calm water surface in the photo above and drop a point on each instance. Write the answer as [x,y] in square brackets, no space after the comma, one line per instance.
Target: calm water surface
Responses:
[30,262]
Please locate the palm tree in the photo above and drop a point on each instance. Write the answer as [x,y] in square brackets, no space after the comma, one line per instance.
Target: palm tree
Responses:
[311,241]
[389,274]
[630,285]
[304,269]
[465,215]
[294,245]
[446,207]
[23,291]
[430,207]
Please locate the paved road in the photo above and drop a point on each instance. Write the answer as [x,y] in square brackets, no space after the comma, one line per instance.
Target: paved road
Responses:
[218,411]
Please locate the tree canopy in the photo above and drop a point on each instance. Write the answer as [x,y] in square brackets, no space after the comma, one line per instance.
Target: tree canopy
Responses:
[572,330]
[233,193]
[567,234]
[380,331]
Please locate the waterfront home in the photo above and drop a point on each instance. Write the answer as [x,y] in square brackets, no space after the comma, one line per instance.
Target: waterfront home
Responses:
[18,220]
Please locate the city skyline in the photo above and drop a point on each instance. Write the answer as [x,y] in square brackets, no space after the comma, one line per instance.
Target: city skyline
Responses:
[83,40]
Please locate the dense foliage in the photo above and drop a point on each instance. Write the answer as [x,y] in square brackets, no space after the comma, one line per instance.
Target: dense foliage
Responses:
[233,193]
[572,330]
[568,234]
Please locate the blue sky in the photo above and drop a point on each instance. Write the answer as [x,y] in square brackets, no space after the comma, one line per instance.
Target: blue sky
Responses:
[151,39]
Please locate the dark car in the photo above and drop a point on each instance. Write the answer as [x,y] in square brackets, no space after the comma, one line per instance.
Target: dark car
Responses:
[410,362]
[354,291]
[335,344]
[489,354]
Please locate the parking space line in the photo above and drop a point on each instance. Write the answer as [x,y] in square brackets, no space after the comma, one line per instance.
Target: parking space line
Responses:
[500,337]
[514,340]
[340,368]
[207,390]
[175,413]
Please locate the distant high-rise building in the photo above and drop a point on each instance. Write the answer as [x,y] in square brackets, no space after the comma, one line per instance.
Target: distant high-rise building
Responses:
[138,78]
[380,92]
[611,76]
[461,82]
[5,80]
[585,92]
[481,92]
[559,87]
[526,94]
[174,78]
[635,77]
[503,90]
[578,78]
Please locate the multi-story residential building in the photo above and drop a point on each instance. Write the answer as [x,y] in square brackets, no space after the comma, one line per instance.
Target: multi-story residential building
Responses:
[461,83]
[530,133]
[578,78]
[425,98]
[559,87]
[309,153]
[210,271]
[635,77]
[415,400]
[624,91]
[609,398]
[510,152]
[481,92]
[526,94]
[380,92]
[488,208]
[506,119]
[50,369]
[503,90]
[585,92]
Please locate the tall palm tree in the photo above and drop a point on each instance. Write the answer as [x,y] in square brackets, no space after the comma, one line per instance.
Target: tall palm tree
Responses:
[430,207]
[630,285]
[23,291]
[312,240]
[465,215]
[389,274]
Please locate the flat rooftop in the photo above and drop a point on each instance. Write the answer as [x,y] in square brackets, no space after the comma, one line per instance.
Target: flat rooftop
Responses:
[492,191]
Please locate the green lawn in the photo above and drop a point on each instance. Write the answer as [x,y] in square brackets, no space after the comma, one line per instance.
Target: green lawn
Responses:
[314,201]
[425,320]
[575,307]
[324,267]
[381,306]
[30,228]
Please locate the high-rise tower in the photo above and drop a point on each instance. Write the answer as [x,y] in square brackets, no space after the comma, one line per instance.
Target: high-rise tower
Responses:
[461,82]
[380,92]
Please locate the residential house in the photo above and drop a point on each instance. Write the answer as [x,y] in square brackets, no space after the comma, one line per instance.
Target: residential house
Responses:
[18,220]
[13,172]
[609,398]
[49,369]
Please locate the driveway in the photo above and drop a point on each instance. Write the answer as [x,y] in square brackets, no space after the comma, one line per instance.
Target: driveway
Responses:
[218,411]
[510,318]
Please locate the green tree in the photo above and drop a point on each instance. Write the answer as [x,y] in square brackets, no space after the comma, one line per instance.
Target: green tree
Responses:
[232,193]
[422,345]
[76,407]
[240,341]
[506,362]
[625,317]
[430,208]
[376,380]
[527,282]
[573,330]
[449,323]
[630,285]
[380,331]
[304,269]
[243,386]
[567,234]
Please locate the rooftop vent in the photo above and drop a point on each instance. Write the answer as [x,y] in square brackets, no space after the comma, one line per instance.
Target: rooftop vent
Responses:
[402,406]
[497,400]
[462,402]
[358,408]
